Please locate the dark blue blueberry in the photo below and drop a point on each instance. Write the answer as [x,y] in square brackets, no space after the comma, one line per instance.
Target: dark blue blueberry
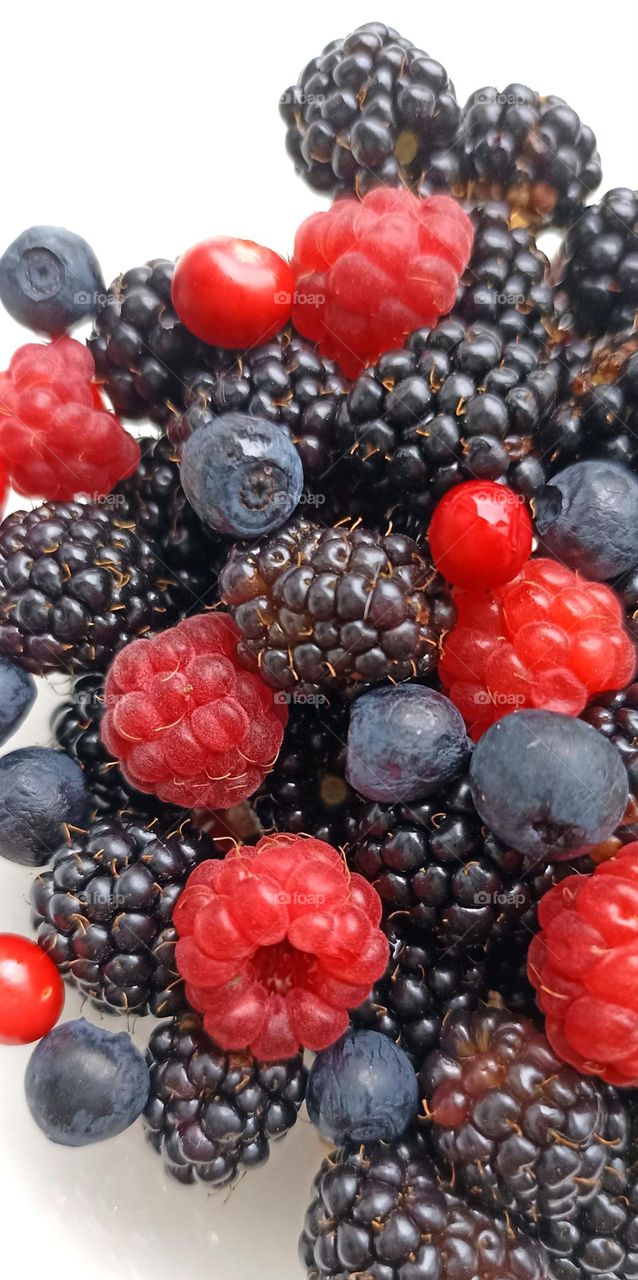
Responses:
[41,792]
[84,1084]
[243,476]
[50,279]
[362,1089]
[404,743]
[17,695]
[548,784]
[588,518]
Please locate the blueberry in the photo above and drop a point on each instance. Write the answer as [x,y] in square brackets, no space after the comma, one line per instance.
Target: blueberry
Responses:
[404,743]
[50,279]
[84,1084]
[242,475]
[362,1089]
[41,792]
[17,695]
[588,518]
[547,783]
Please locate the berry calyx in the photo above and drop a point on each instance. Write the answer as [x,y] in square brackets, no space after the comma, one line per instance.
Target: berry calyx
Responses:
[276,943]
[232,293]
[31,991]
[480,535]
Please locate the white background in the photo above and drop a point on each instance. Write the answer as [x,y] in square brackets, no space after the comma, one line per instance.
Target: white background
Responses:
[146,127]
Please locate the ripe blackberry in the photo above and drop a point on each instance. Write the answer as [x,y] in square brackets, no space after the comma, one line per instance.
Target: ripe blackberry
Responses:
[599,418]
[421,985]
[212,1114]
[627,589]
[76,584]
[104,910]
[456,403]
[529,150]
[381,1212]
[615,715]
[521,1132]
[598,271]
[307,792]
[335,608]
[372,110]
[507,281]
[507,980]
[285,381]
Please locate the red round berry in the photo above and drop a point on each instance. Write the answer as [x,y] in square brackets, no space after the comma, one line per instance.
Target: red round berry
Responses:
[480,535]
[31,991]
[584,966]
[369,272]
[232,293]
[186,722]
[276,943]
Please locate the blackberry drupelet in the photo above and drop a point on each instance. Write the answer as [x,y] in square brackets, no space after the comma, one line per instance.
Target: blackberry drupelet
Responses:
[598,271]
[520,1132]
[507,980]
[529,150]
[421,985]
[456,403]
[372,110]
[212,1114]
[380,1212]
[628,590]
[616,716]
[307,792]
[104,910]
[599,418]
[335,608]
[76,584]
[507,280]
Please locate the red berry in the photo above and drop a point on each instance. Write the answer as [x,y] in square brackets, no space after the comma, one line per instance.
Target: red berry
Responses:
[186,721]
[480,535]
[584,966]
[31,991]
[368,272]
[276,943]
[232,293]
[56,438]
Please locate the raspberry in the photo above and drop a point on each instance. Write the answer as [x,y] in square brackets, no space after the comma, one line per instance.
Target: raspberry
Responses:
[277,944]
[480,535]
[548,640]
[584,963]
[56,437]
[369,272]
[186,722]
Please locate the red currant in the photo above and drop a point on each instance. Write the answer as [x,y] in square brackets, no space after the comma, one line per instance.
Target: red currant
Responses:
[232,293]
[480,534]
[31,991]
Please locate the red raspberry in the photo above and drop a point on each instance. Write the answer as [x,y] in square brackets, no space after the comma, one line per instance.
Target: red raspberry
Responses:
[187,723]
[369,272]
[276,943]
[584,965]
[57,440]
[480,534]
[550,640]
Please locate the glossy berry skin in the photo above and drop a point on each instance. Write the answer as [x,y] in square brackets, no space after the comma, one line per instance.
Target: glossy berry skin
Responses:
[42,793]
[599,267]
[31,991]
[276,943]
[84,1084]
[369,272]
[583,964]
[587,517]
[547,784]
[17,695]
[232,293]
[363,1088]
[480,535]
[404,743]
[50,280]
[186,722]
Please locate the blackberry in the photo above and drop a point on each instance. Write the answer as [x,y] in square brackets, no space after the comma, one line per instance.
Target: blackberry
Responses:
[104,910]
[507,280]
[616,716]
[372,110]
[421,985]
[598,272]
[335,608]
[381,1212]
[76,584]
[307,792]
[507,979]
[628,590]
[529,150]
[457,402]
[212,1114]
[522,1133]
[599,419]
